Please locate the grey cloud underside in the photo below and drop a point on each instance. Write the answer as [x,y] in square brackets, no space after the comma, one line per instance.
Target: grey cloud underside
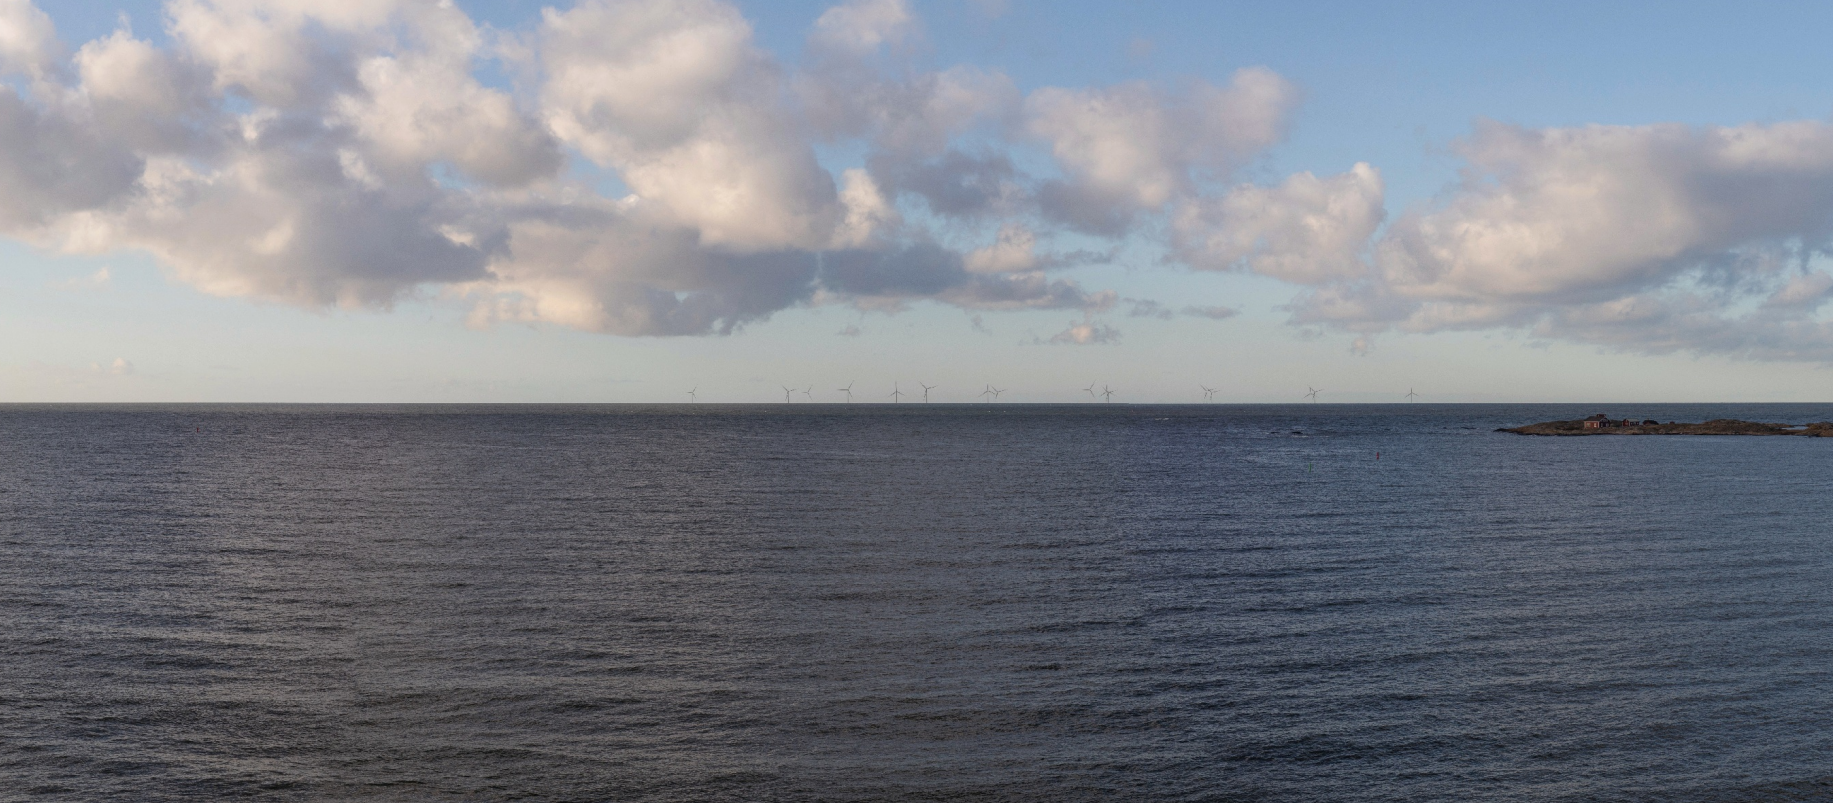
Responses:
[669,285]
[955,184]
[724,293]
[919,270]
[1212,313]
[1147,308]
[736,292]
[1085,209]
[50,166]
[929,271]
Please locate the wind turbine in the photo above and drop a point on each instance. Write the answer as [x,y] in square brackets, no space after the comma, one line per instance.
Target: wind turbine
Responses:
[786,392]
[988,393]
[690,395]
[809,392]
[926,390]
[1091,391]
[1313,394]
[996,392]
[1410,394]
[1107,394]
[848,390]
[1209,393]
[896,395]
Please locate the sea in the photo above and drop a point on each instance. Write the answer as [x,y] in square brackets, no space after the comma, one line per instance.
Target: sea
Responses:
[803,602]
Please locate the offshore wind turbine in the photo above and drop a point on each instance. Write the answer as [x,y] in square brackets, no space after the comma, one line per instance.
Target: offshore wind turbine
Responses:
[1107,394]
[996,392]
[1411,395]
[987,394]
[926,390]
[896,395]
[1313,394]
[786,391]
[848,390]
[690,395]
[1209,393]
[1091,391]
[809,392]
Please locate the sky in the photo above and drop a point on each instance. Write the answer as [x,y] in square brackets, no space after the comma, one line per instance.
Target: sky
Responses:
[629,200]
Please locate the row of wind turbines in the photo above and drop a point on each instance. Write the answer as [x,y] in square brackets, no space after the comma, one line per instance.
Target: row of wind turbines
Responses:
[991,394]
[1210,395]
[896,395]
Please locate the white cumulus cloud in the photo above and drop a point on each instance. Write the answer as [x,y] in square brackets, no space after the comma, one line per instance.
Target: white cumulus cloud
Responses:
[1133,147]
[1305,230]
[675,97]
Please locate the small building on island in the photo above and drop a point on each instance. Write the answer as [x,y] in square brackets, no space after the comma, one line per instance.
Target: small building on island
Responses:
[1601,421]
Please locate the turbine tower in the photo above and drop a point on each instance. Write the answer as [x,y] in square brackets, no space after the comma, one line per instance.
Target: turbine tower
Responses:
[926,390]
[786,392]
[848,390]
[896,395]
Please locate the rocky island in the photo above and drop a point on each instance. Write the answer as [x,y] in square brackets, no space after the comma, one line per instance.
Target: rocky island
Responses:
[1603,425]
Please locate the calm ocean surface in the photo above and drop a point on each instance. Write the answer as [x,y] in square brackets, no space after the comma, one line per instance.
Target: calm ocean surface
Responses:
[822,602]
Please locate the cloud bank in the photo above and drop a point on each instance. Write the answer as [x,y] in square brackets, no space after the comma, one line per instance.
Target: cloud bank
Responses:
[1657,239]
[650,170]
[345,152]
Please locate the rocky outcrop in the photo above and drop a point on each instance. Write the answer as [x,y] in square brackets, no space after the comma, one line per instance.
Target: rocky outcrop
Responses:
[1721,426]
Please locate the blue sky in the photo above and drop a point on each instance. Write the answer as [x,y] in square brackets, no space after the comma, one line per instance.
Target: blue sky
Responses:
[1716,303]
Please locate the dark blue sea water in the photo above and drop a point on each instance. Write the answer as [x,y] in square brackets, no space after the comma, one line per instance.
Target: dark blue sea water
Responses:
[788,603]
